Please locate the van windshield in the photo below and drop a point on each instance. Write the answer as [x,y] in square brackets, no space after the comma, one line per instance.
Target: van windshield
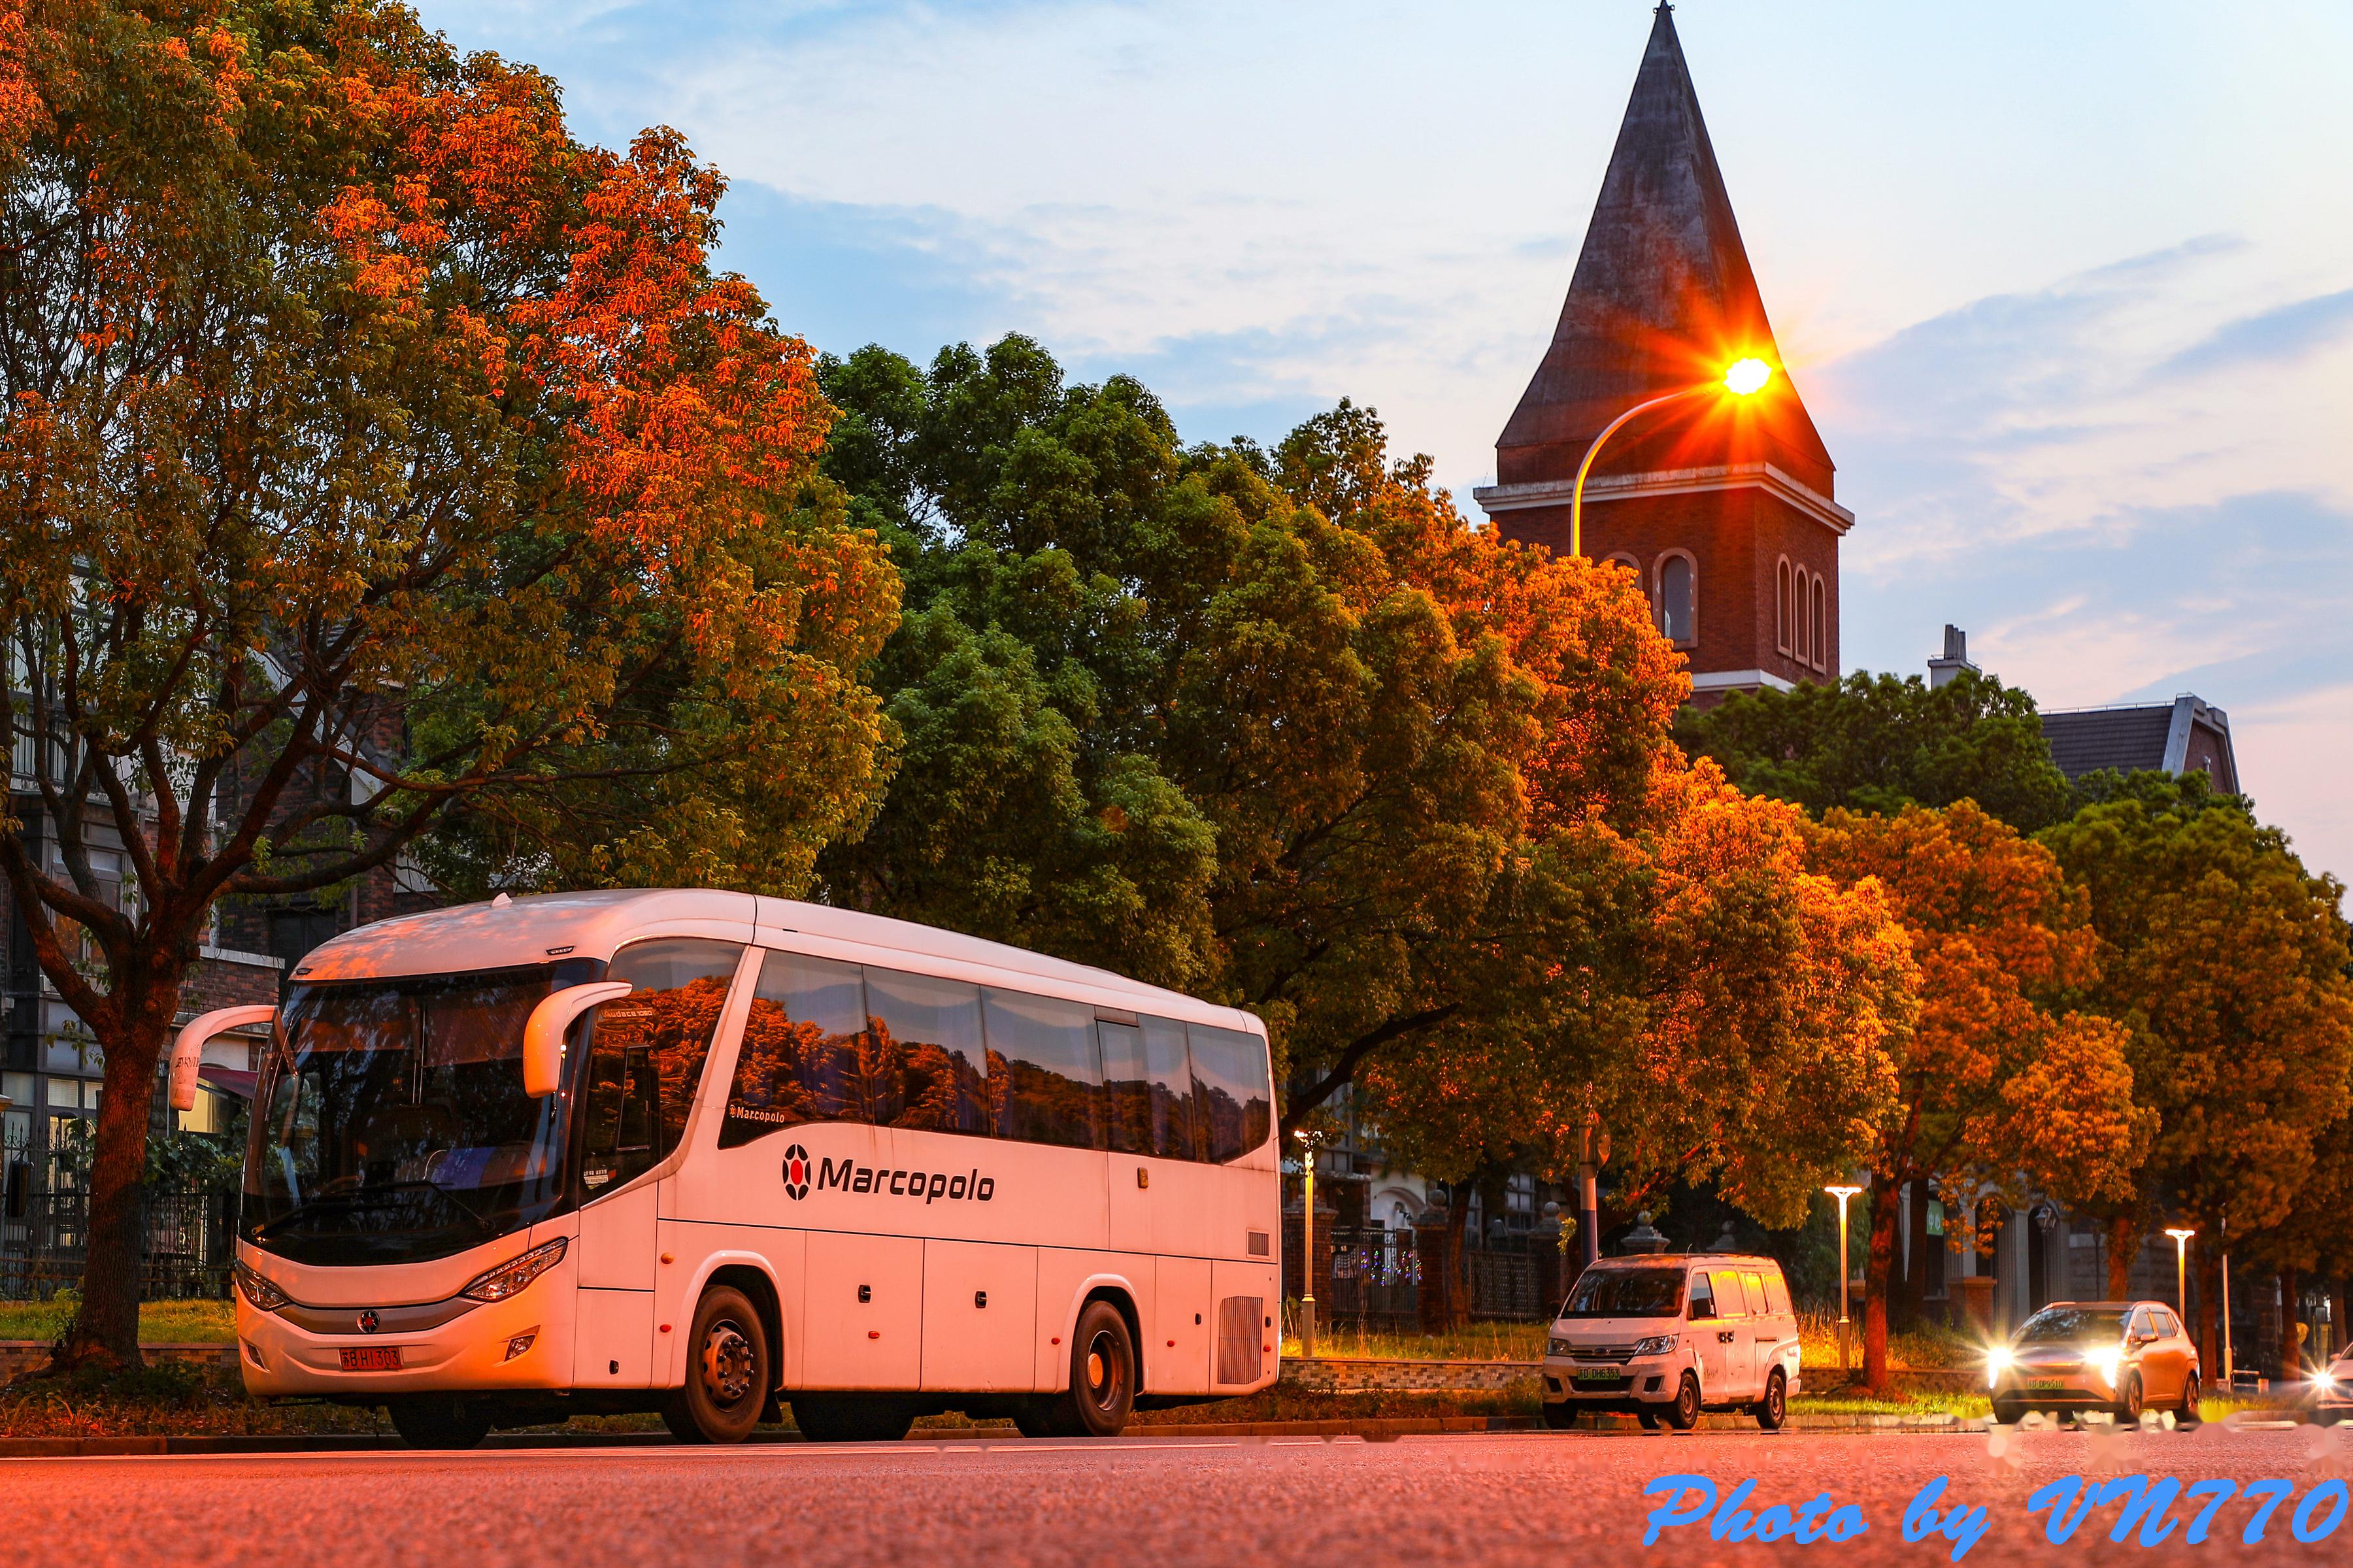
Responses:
[1627,1293]
[390,1124]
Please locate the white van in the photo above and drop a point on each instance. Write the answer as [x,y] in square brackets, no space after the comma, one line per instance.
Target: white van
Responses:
[1668,1336]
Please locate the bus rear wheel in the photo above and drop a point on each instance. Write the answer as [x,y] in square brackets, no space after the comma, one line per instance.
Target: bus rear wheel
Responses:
[1102,1382]
[727,1373]
[440,1420]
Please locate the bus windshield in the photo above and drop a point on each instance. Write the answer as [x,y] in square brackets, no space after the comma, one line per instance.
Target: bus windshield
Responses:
[391,1123]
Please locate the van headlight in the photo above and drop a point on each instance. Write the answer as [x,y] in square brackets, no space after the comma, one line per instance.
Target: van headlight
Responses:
[1557,1347]
[1998,1361]
[1659,1344]
[509,1279]
[260,1293]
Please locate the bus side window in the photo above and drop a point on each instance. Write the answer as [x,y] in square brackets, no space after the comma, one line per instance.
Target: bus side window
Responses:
[1232,1094]
[929,1029]
[648,1049]
[806,1055]
[1045,1070]
[1126,1087]
[1168,1070]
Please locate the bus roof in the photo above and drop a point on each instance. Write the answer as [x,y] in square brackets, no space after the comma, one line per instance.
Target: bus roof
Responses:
[538,927]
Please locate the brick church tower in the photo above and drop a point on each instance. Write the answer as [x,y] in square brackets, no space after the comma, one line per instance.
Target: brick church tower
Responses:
[1721,505]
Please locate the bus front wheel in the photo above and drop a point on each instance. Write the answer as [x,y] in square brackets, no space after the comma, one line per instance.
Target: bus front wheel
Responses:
[729,1373]
[440,1420]
[1103,1381]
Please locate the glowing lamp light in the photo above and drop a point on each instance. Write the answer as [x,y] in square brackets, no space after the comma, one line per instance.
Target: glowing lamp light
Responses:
[1748,375]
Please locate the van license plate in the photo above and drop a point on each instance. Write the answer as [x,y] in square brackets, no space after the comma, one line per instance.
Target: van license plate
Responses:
[371,1358]
[1597,1374]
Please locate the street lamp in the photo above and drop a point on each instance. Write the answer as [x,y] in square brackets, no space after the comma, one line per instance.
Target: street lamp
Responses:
[1741,378]
[1843,1195]
[2181,1270]
[1313,1141]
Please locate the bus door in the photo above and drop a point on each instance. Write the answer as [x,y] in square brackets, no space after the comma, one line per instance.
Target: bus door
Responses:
[646,1056]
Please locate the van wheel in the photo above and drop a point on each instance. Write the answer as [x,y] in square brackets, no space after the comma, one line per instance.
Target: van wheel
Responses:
[727,1374]
[1683,1413]
[440,1420]
[1648,1418]
[1103,1379]
[1773,1410]
[1561,1417]
[837,1418]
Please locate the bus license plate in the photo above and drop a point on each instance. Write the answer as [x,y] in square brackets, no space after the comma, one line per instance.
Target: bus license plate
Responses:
[371,1358]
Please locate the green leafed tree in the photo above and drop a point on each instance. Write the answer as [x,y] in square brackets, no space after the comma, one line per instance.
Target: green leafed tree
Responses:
[1878,742]
[377,459]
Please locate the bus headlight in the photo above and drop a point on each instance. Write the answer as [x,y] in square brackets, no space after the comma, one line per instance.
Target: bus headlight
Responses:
[1996,1363]
[260,1293]
[510,1278]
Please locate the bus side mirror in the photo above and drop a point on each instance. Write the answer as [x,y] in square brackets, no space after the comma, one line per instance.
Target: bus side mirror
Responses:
[188,1046]
[543,1034]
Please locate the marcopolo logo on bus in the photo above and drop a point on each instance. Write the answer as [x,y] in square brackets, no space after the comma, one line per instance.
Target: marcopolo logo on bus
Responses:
[844,1175]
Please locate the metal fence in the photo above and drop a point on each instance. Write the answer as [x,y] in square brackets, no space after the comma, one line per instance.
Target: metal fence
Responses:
[1372,1278]
[188,1238]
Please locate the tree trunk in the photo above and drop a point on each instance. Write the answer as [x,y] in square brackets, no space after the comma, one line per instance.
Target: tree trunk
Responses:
[105,1327]
[2291,1319]
[2209,1359]
[2124,1246]
[2340,1325]
[1878,1269]
[1447,1297]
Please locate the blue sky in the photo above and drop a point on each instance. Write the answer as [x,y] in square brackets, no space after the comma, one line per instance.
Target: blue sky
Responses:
[2069,289]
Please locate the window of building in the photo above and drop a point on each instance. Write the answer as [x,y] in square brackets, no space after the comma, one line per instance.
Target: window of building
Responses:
[1782,629]
[1677,591]
[1821,639]
[1801,646]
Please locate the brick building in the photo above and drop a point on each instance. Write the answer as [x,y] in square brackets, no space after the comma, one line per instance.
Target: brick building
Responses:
[1722,505]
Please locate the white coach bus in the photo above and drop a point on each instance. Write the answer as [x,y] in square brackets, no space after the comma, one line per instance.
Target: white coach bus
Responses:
[704,1152]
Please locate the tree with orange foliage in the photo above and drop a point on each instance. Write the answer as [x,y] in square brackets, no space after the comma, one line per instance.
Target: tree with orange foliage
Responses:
[1997,1087]
[375,457]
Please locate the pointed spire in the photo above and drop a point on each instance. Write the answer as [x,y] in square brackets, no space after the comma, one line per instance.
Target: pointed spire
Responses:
[1662,297]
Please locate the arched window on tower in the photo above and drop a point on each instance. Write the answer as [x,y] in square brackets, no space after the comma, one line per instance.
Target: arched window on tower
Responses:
[1821,659]
[1800,646]
[1782,630]
[1678,599]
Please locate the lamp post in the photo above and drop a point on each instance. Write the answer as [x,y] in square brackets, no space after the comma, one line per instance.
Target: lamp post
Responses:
[1313,1141]
[1843,1195]
[2181,1270]
[1741,378]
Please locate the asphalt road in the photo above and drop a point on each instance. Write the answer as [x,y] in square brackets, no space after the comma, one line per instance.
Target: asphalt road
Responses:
[1552,1499]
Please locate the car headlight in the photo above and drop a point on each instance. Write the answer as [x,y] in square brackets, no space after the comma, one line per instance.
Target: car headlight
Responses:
[260,1293]
[1658,1345]
[2324,1380]
[1998,1361]
[509,1279]
[2107,1364]
[1557,1347]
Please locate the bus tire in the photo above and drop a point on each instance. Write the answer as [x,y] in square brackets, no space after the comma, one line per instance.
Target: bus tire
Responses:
[729,1371]
[1102,1378]
[848,1418]
[440,1420]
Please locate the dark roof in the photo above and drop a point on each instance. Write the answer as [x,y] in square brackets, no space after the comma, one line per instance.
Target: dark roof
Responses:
[2124,739]
[1662,298]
